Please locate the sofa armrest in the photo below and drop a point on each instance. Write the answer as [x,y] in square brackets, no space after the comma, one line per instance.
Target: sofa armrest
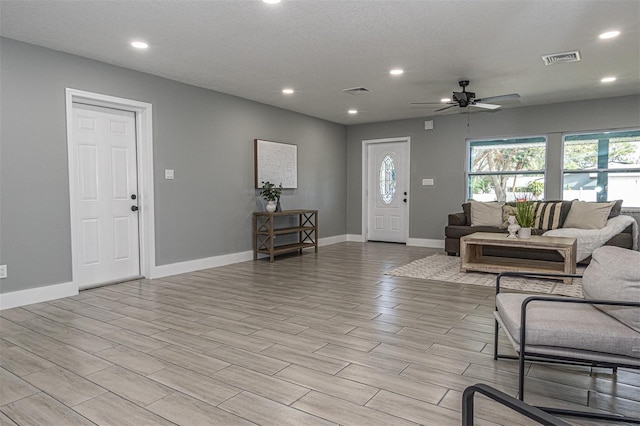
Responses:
[457,219]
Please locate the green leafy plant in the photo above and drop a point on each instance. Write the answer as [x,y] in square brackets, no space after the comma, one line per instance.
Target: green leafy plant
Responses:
[270,191]
[525,213]
[536,188]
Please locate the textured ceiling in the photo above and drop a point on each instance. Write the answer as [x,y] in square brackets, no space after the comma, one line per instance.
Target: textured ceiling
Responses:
[253,50]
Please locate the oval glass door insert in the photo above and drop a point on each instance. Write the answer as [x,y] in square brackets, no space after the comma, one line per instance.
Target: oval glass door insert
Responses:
[387,181]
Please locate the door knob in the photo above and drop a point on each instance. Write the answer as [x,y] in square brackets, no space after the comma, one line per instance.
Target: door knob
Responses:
[405,200]
[134,208]
[133,196]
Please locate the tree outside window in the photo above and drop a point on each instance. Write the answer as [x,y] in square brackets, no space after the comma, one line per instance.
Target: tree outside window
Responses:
[506,169]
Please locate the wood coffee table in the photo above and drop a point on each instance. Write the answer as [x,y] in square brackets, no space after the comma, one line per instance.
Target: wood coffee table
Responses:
[473,260]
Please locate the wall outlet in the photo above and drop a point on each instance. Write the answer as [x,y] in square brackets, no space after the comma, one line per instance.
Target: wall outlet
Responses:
[3,271]
[168,174]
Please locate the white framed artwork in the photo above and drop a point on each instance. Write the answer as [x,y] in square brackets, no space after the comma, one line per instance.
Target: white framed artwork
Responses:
[276,162]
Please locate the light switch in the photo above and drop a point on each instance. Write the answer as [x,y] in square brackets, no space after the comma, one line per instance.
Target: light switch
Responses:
[428,182]
[168,174]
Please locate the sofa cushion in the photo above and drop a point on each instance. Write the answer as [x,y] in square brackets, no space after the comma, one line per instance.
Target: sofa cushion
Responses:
[588,215]
[616,209]
[566,325]
[457,219]
[466,208]
[614,274]
[453,231]
[486,214]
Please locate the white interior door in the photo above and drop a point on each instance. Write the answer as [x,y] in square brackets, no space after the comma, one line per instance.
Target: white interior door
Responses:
[106,228]
[387,191]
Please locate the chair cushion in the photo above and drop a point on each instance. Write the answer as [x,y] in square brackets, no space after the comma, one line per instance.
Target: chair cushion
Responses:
[614,274]
[567,325]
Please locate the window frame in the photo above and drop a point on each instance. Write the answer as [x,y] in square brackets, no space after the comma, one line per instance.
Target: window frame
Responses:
[504,139]
[597,170]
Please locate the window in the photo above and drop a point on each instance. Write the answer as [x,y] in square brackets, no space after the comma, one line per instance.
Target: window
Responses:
[506,169]
[602,166]
[387,180]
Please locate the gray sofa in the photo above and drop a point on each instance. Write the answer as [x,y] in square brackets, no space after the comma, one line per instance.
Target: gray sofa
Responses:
[459,225]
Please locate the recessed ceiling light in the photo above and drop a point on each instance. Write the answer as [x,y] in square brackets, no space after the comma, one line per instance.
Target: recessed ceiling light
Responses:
[396,71]
[287,91]
[445,100]
[610,34]
[608,79]
[271,1]
[353,111]
[139,44]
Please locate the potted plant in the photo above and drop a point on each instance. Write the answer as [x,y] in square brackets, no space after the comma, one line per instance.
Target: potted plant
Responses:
[271,193]
[526,215]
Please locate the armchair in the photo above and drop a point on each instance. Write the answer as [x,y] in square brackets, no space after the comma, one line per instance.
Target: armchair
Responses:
[594,331]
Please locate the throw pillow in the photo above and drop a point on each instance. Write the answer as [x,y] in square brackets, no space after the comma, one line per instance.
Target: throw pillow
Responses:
[507,211]
[548,215]
[613,274]
[586,215]
[486,214]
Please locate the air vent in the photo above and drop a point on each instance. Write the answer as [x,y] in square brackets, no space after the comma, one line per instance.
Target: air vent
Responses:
[557,58]
[356,90]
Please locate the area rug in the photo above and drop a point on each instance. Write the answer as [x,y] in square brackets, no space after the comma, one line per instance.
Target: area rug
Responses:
[440,267]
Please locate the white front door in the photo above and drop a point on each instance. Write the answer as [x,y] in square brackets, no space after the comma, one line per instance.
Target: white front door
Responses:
[387,191]
[107,240]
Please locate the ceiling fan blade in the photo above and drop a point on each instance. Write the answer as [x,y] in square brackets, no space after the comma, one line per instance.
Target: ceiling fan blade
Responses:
[450,106]
[500,98]
[485,106]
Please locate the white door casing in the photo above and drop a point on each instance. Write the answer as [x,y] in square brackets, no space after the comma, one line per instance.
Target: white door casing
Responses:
[387,190]
[109,241]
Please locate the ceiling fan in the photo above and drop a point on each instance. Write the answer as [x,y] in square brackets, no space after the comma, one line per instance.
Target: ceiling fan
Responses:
[465,99]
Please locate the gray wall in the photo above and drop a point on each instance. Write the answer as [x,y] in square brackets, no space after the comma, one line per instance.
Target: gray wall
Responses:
[440,153]
[205,136]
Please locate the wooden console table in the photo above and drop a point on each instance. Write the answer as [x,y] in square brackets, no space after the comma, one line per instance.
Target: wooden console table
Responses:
[472,259]
[265,232]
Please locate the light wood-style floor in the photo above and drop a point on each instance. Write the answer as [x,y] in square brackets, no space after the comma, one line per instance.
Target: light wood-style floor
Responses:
[309,339]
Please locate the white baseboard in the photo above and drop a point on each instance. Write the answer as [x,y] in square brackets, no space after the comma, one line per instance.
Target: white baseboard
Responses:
[417,242]
[57,291]
[198,264]
[225,259]
[327,241]
[36,295]
[425,242]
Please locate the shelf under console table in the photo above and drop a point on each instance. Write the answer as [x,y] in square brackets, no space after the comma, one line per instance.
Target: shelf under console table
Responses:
[265,231]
